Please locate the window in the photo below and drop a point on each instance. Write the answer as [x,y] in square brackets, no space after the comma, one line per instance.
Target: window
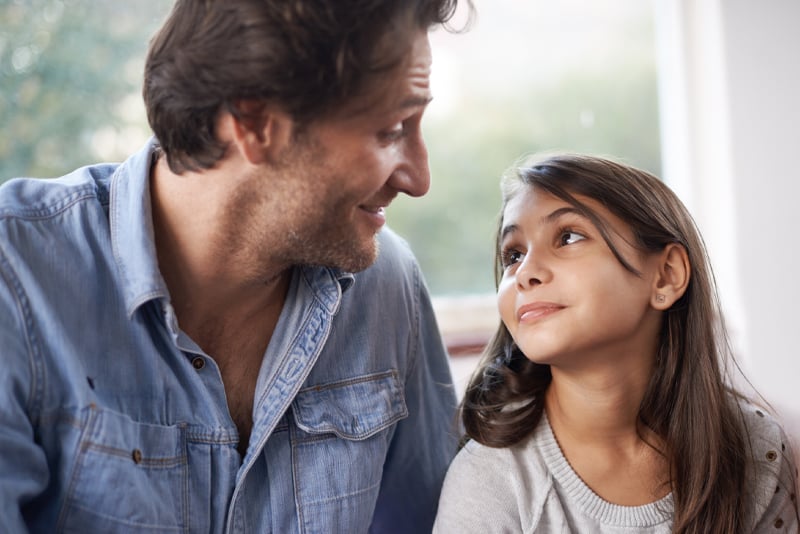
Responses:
[530,76]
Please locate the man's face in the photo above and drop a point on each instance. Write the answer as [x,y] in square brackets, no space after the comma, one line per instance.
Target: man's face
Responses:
[337,179]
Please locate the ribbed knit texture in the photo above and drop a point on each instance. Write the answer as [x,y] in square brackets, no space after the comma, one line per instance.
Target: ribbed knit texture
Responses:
[577,492]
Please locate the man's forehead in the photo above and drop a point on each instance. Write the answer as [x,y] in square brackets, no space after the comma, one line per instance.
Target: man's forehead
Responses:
[405,86]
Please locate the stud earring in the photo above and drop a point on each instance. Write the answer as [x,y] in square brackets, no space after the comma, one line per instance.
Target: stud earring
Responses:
[660,298]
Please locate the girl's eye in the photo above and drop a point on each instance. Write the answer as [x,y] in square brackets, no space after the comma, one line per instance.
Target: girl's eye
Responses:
[568,237]
[510,257]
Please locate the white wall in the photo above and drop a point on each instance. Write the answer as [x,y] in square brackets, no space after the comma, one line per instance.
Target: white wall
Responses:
[730,91]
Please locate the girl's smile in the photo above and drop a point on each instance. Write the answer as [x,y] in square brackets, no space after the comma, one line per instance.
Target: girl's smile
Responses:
[529,313]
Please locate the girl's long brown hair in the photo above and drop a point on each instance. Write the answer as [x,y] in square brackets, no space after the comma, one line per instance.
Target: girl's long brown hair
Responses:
[689,403]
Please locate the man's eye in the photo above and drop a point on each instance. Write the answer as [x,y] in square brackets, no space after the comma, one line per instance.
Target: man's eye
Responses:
[393,134]
[568,237]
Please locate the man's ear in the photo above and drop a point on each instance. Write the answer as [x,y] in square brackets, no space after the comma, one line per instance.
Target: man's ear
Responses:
[260,132]
[672,277]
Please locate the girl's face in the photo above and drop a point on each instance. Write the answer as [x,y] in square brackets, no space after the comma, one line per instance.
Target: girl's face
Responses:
[564,297]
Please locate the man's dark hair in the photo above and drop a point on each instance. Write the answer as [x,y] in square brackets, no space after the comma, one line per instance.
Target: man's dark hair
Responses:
[308,57]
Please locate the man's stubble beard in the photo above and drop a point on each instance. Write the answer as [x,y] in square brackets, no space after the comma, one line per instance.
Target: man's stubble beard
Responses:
[325,239]
[328,244]
[301,217]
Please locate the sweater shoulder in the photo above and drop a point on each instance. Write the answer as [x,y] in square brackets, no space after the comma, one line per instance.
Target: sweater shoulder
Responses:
[488,488]
[772,478]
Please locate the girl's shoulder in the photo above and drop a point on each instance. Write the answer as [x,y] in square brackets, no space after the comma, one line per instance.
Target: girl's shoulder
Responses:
[772,479]
[758,419]
[491,489]
[509,466]
[769,444]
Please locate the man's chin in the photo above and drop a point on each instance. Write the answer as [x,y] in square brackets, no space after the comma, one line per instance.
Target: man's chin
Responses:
[352,257]
[362,258]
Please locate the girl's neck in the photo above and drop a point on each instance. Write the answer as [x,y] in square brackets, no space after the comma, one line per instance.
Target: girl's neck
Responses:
[598,399]
[595,421]
[603,409]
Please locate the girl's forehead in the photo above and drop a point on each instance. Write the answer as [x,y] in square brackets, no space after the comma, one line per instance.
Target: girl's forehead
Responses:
[528,197]
[531,205]
[530,208]
[528,200]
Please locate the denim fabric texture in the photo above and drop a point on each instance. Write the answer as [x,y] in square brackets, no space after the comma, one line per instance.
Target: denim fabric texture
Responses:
[113,420]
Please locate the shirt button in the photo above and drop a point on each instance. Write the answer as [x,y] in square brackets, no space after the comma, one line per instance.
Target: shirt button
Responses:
[136,455]
[772,456]
[198,363]
[778,523]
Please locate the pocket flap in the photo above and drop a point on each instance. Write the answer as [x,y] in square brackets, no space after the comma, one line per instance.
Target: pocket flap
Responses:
[354,409]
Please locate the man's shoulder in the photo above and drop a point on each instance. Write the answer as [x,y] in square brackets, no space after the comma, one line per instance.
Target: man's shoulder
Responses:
[395,260]
[393,248]
[36,198]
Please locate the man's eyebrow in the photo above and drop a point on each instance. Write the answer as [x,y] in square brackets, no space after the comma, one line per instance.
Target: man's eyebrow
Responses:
[547,219]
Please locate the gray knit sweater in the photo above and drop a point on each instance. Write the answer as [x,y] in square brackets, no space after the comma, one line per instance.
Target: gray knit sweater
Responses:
[531,488]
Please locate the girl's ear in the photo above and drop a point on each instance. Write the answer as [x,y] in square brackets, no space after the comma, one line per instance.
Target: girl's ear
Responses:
[259,132]
[672,277]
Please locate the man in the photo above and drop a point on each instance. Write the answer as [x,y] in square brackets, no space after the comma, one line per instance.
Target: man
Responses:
[217,335]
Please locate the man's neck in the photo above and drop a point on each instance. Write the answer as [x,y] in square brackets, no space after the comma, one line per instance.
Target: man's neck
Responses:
[205,283]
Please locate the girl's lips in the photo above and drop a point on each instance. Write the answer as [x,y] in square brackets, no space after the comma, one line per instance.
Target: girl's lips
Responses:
[535,310]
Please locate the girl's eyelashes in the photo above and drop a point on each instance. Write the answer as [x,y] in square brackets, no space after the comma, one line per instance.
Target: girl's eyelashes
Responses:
[568,236]
[510,256]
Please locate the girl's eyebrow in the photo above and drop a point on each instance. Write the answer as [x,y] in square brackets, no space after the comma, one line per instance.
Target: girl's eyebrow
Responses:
[508,229]
[547,219]
[556,214]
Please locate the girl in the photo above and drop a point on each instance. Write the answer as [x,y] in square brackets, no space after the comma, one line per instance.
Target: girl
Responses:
[601,404]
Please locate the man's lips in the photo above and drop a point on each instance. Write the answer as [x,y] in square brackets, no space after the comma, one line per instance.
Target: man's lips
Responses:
[377,210]
[536,310]
[375,213]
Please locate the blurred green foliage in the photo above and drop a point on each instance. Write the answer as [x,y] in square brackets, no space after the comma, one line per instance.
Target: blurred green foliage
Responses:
[68,67]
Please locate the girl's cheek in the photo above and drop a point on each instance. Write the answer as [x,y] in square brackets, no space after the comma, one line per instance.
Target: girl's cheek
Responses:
[505,302]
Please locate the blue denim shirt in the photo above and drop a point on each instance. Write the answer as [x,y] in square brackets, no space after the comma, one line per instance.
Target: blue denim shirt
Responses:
[113,420]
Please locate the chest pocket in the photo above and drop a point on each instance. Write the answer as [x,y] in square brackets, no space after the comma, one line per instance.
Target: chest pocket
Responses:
[128,477]
[340,439]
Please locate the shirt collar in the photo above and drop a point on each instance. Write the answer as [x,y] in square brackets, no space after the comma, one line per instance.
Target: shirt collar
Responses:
[327,284]
[133,242]
[131,221]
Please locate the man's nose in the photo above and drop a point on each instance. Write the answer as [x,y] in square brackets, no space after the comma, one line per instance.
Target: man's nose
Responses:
[412,176]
